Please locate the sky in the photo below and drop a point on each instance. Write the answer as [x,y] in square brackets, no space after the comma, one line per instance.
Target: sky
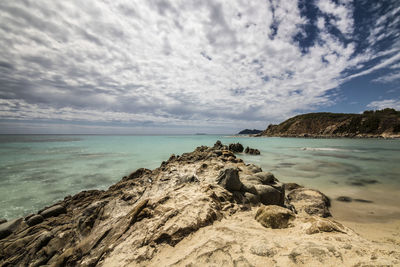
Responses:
[182,67]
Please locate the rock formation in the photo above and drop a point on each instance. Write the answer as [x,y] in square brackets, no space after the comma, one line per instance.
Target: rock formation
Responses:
[204,208]
[378,124]
[252,151]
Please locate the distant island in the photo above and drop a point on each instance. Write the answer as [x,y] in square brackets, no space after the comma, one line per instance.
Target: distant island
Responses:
[248,131]
[370,124]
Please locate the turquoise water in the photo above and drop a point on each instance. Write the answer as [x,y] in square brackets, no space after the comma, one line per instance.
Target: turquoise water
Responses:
[37,170]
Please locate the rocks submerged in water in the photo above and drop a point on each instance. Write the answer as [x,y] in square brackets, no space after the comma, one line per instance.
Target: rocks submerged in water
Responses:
[349,199]
[236,148]
[252,151]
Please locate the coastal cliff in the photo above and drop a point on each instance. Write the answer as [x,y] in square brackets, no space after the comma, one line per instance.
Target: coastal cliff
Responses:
[379,124]
[204,208]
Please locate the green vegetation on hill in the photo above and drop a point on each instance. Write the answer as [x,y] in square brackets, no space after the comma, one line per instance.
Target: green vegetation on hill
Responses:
[371,123]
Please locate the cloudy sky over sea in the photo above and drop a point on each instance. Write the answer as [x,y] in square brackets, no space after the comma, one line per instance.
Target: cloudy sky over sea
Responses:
[191,66]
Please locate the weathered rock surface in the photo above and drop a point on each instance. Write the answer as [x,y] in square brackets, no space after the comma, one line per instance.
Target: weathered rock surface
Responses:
[191,211]
[274,216]
[310,201]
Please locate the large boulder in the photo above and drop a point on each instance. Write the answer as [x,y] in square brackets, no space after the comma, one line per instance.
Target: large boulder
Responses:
[274,217]
[229,179]
[236,148]
[269,195]
[310,201]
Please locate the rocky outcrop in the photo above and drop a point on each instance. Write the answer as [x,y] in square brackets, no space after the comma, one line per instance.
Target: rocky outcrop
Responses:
[201,208]
[371,124]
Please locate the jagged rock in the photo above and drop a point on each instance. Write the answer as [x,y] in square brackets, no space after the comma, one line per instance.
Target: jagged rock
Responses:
[35,219]
[53,211]
[252,151]
[3,221]
[236,148]
[310,201]
[274,216]
[229,179]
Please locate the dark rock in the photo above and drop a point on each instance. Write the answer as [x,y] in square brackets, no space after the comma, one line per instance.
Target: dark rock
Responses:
[3,221]
[252,198]
[274,217]
[8,227]
[291,186]
[35,219]
[310,201]
[344,199]
[218,145]
[252,151]
[53,211]
[248,131]
[229,179]
[269,195]
[236,148]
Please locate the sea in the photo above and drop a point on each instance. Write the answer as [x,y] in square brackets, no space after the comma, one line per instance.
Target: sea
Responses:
[38,170]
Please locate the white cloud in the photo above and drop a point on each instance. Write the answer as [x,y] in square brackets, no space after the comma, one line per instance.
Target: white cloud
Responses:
[395,76]
[208,63]
[388,103]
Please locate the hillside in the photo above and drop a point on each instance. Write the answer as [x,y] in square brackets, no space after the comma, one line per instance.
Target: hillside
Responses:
[381,123]
[248,131]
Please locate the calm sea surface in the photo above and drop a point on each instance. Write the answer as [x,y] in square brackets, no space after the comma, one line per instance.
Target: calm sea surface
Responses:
[37,170]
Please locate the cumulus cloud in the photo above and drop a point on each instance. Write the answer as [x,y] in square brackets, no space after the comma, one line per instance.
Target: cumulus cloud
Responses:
[176,63]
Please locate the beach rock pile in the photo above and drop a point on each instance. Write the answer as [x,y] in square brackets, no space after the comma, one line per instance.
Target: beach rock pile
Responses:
[201,208]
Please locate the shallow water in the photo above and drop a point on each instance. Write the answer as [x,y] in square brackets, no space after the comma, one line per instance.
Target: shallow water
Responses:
[37,170]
